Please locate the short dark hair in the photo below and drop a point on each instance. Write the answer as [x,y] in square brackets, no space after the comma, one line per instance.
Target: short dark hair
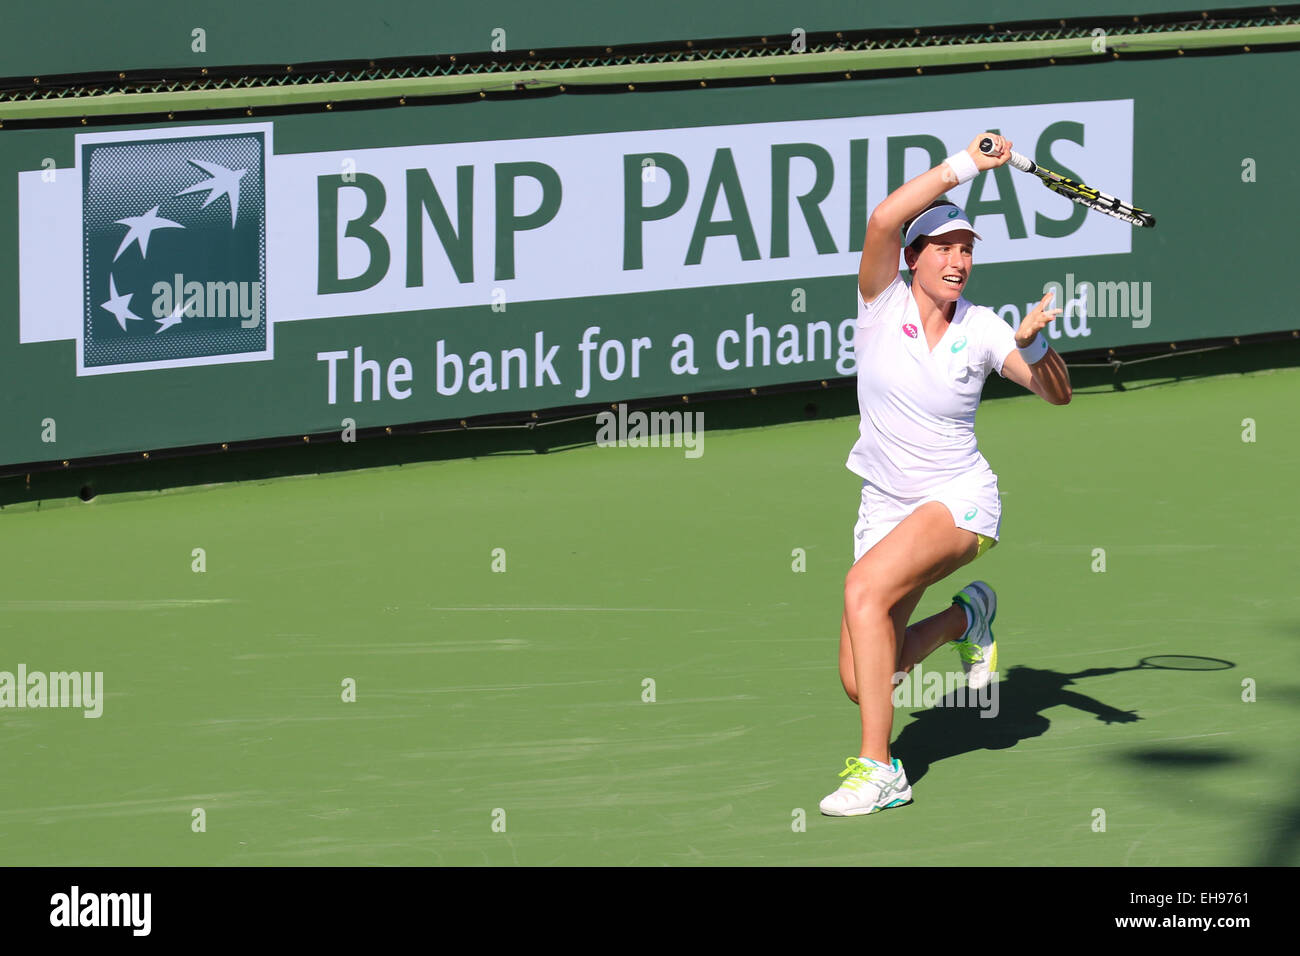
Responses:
[920,241]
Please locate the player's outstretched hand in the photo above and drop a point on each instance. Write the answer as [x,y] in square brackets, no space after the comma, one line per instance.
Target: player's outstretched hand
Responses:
[1035,321]
[1001,151]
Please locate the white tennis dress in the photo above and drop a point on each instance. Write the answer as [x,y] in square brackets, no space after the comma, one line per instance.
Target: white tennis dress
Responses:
[916,441]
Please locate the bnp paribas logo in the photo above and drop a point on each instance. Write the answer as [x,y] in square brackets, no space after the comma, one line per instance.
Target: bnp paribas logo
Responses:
[174,250]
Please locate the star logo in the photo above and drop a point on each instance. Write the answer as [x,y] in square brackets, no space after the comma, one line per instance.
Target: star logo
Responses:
[220,182]
[166,322]
[199,278]
[139,228]
[119,305]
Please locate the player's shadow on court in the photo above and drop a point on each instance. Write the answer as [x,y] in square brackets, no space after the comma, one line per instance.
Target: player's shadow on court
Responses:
[955,726]
[1279,840]
[1283,837]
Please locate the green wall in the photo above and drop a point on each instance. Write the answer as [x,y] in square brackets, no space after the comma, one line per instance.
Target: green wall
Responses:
[134,35]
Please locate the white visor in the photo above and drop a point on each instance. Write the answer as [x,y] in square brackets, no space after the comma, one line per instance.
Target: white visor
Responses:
[937,221]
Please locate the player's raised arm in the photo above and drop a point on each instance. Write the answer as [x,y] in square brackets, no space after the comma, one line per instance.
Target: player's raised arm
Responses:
[1035,364]
[880,249]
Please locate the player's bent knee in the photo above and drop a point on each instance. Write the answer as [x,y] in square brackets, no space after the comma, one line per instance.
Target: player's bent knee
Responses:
[863,592]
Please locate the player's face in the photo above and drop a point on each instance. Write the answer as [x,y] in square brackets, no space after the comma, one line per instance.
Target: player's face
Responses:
[944,265]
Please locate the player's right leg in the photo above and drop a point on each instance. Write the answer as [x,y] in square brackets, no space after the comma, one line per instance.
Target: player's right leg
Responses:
[923,548]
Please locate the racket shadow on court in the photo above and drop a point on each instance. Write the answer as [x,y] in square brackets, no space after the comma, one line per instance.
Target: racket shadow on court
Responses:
[1014,711]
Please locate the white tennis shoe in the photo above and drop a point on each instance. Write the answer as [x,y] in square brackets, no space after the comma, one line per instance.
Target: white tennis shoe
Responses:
[868,787]
[977,647]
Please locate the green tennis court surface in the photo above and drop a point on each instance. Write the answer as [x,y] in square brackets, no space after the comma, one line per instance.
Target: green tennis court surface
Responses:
[523,691]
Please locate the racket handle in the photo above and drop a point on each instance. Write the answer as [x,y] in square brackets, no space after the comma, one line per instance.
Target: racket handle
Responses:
[1022,163]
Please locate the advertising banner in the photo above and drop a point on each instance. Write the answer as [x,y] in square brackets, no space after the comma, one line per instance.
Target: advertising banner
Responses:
[220,282]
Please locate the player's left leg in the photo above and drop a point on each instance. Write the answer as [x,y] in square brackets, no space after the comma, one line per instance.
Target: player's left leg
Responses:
[899,614]
[925,637]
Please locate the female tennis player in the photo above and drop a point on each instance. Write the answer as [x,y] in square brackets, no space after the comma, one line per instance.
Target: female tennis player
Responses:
[929,499]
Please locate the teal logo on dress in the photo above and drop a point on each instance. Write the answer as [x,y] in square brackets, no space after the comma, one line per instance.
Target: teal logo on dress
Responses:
[970,514]
[959,345]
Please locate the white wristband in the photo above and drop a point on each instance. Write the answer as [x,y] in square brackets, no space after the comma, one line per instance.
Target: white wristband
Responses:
[1035,350]
[962,166]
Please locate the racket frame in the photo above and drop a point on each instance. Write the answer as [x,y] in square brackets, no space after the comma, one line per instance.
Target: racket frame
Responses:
[1081,193]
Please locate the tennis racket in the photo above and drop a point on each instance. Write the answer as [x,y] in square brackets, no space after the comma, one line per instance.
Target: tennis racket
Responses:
[1079,192]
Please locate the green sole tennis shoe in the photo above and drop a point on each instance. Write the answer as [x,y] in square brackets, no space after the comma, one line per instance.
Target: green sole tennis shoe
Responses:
[977,647]
[867,788]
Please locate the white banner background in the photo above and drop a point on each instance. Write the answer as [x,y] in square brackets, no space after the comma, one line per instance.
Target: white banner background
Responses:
[580,252]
